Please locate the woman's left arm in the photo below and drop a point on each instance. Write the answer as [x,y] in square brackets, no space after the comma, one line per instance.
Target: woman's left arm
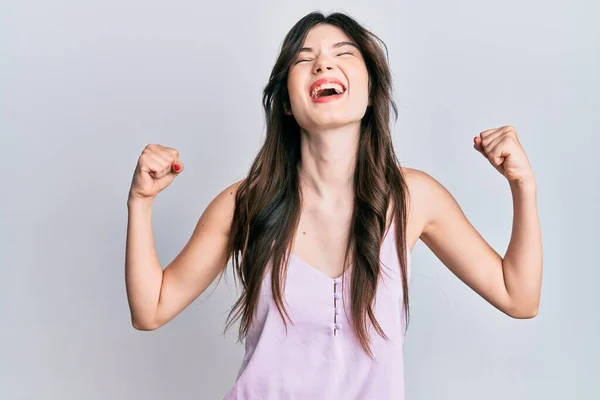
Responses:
[511,283]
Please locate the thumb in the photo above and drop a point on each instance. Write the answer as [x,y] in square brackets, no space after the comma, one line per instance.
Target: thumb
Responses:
[177,167]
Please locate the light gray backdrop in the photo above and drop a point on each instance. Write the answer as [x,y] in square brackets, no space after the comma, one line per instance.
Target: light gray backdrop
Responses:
[84,86]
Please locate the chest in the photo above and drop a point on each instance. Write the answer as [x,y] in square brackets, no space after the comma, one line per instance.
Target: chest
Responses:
[321,243]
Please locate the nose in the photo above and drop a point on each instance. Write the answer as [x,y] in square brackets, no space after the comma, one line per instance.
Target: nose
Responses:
[322,64]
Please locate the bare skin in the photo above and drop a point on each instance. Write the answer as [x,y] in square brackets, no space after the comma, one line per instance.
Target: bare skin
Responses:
[155,295]
[511,283]
[434,217]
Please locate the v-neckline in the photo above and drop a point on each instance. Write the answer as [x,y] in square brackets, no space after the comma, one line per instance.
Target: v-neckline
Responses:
[343,275]
[318,271]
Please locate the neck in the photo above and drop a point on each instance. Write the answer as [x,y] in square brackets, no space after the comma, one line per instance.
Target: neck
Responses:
[328,157]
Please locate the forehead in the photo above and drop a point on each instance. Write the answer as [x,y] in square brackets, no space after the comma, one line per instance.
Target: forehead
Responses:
[325,34]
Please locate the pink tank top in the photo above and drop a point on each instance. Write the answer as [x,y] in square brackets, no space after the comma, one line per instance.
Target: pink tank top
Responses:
[320,358]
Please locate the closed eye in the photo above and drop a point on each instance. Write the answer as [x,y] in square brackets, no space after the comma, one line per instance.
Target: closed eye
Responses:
[339,54]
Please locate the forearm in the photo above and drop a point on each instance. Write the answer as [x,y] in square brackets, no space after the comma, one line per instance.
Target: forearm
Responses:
[143,273]
[522,263]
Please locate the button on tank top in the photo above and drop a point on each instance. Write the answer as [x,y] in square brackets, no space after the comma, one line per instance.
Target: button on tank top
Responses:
[320,358]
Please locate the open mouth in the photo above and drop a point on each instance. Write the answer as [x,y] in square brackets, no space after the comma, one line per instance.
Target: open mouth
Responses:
[327,89]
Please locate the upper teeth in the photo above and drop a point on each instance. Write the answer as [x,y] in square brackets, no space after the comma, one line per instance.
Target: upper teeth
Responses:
[329,85]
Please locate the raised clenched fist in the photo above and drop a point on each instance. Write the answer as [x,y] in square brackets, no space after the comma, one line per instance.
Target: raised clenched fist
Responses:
[157,167]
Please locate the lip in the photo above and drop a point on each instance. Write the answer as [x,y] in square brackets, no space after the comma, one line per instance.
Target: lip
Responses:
[327,98]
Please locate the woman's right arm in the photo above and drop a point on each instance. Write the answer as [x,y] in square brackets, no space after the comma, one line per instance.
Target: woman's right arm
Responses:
[155,295]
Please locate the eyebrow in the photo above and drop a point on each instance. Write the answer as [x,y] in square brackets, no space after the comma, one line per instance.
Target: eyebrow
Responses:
[335,46]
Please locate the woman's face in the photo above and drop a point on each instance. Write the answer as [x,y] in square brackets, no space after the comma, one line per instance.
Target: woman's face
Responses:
[328,82]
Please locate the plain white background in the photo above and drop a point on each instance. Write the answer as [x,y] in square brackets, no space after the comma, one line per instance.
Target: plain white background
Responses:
[84,86]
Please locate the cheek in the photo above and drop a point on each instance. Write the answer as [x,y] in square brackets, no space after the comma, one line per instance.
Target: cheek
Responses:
[361,90]
[359,77]
[294,86]
[365,83]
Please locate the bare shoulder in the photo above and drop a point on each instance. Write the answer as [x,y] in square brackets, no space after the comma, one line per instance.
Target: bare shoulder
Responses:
[425,194]
[421,185]
[219,212]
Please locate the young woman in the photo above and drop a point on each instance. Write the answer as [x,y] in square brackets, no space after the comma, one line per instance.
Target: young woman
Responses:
[320,232]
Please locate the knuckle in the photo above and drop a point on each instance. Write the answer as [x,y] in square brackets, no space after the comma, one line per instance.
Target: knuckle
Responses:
[169,153]
[144,155]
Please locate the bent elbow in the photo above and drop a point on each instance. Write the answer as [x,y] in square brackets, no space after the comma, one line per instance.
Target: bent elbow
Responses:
[525,312]
[144,325]
[526,315]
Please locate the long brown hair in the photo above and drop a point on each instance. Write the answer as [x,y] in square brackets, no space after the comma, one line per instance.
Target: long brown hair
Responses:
[268,200]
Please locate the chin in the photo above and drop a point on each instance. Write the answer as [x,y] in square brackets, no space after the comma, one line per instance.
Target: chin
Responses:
[329,123]
[332,121]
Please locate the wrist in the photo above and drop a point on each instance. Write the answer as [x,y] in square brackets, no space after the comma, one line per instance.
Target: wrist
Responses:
[137,202]
[528,183]
[523,190]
